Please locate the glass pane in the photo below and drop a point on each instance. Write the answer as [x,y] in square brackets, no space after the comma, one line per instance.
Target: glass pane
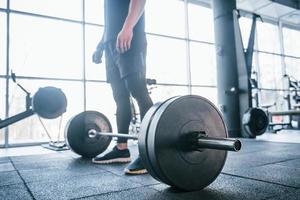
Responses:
[94,71]
[245,27]
[268,97]
[3,43]
[293,67]
[270,71]
[201,24]
[46,48]
[3,3]
[165,17]
[268,37]
[94,11]
[203,64]
[71,9]
[161,93]
[291,47]
[30,129]
[99,97]
[209,93]
[2,107]
[166,60]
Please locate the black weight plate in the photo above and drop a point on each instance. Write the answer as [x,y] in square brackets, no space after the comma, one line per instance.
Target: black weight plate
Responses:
[174,165]
[255,121]
[76,133]
[143,137]
[49,102]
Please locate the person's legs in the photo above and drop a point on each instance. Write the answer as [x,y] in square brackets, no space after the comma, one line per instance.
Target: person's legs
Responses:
[120,152]
[136,84]
[123,114]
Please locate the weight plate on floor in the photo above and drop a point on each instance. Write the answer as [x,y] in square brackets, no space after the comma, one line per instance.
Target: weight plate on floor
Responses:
[172,162]
[143,137]
[76,133]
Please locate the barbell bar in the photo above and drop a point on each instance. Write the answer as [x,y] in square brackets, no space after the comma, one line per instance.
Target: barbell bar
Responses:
[194,140]
[182,141]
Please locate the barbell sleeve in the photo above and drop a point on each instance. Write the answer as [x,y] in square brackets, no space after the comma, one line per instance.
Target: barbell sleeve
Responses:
[93,133]
[226,144]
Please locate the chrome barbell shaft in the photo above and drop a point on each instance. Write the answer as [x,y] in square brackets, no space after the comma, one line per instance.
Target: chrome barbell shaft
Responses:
[93,133]
[226,144]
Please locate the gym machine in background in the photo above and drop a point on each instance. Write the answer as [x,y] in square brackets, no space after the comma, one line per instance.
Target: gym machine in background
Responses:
[292,97]
[48,102]
[254,120]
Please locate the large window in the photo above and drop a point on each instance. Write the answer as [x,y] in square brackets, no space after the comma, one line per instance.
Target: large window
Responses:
[165,17]
[3,43]
[201,24]
[93,36]
[270,71]
[70,9]
[46,47]
[268,37]
[166,60]
[164,92]
[203,64]
[245,28]
[2,108]
[291,44]
[3,3]
[293,67]
[99,97]
[208,92]
[94,12]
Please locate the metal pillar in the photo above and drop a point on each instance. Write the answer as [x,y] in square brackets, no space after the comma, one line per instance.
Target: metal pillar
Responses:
[227,74]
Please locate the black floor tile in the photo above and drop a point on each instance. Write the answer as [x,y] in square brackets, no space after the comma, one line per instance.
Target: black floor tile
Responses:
[56,174]
[235,160]
[295,195]
[118,169]
[291,163]
[271,173]
[42,162]
[142,193]
[7,166]
[229,188]
[81,186]
[13,192]
[9,178]
[4,159]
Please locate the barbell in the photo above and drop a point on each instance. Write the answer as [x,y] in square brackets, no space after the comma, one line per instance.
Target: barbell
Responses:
[182,141]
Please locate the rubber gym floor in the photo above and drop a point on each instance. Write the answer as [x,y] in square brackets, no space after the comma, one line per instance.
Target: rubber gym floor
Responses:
[261,170]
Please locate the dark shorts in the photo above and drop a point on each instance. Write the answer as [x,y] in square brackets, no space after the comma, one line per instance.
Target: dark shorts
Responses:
[118,66]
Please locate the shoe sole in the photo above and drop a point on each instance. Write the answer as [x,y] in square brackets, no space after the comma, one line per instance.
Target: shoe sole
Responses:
[115,160]
[136,172]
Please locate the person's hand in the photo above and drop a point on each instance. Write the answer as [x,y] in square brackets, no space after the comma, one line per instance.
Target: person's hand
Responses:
[97,57]
[124,40]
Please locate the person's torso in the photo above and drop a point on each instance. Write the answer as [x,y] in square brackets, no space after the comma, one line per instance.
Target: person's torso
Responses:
[116,12]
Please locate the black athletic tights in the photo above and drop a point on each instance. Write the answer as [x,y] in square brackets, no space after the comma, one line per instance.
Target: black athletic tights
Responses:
[134,84]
